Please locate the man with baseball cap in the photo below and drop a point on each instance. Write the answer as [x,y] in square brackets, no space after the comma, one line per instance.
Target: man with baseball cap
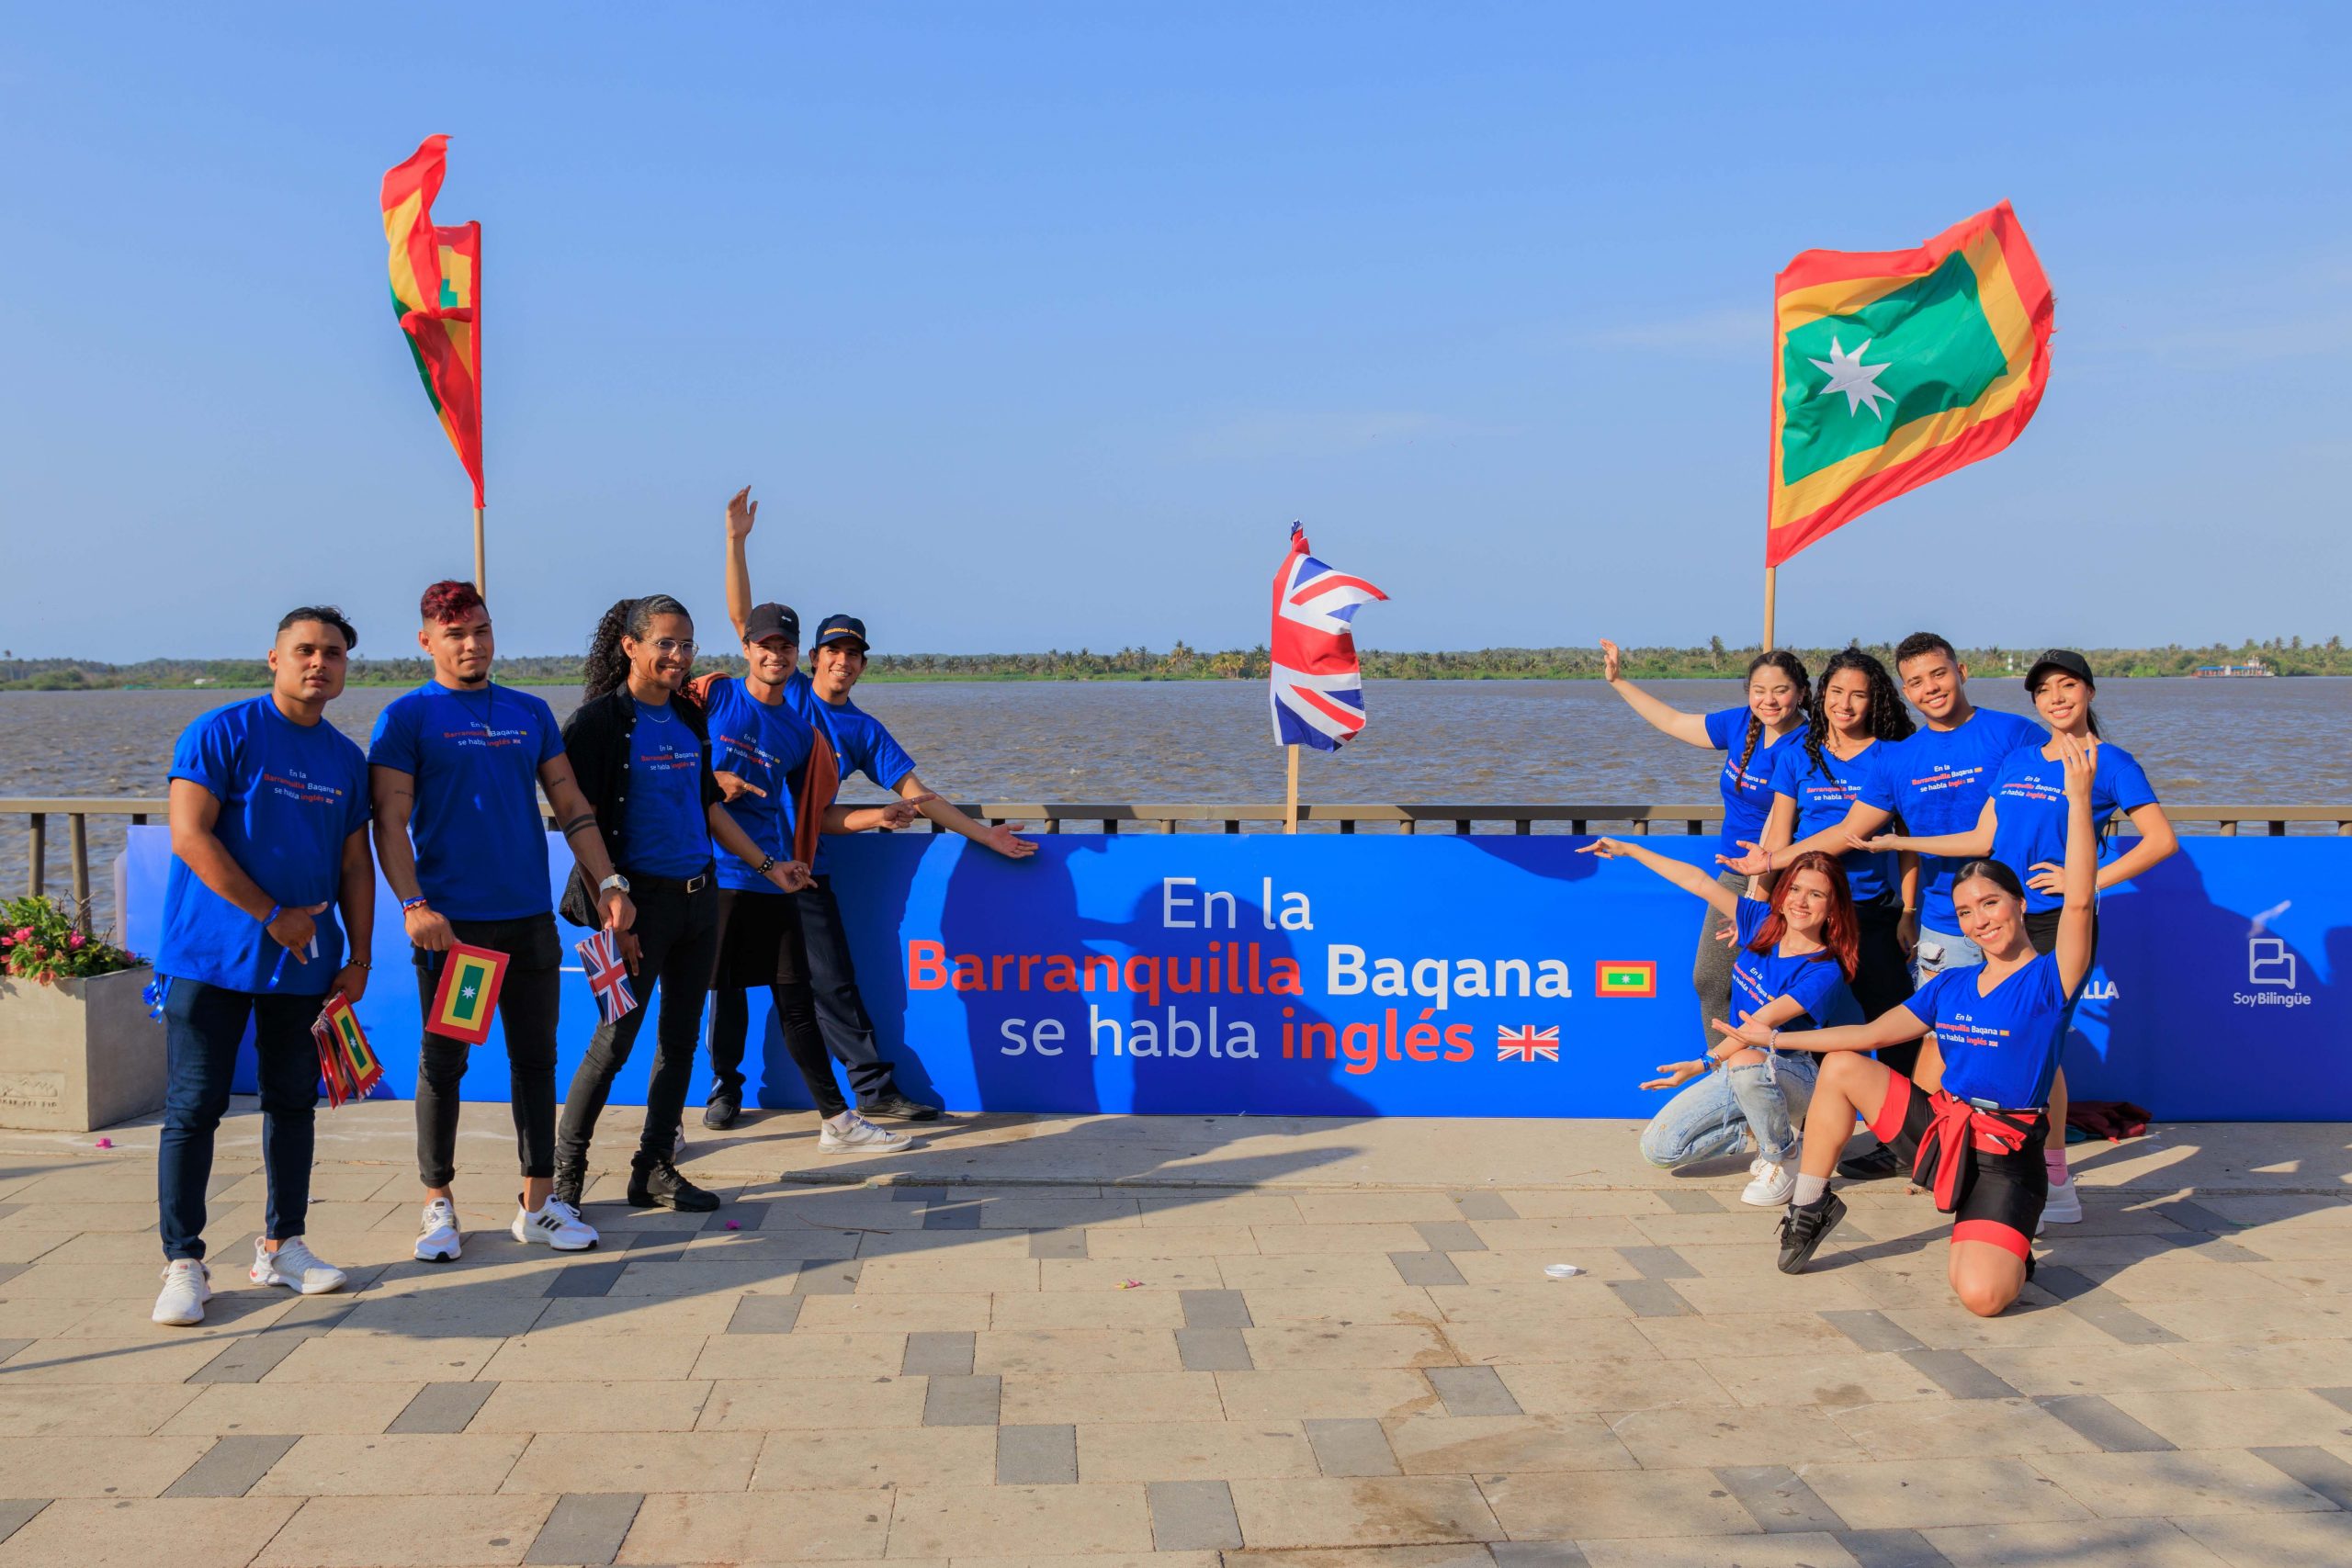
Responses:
[845,738]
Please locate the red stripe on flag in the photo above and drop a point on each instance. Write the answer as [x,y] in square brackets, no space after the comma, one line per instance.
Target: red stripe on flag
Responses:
[1338,713]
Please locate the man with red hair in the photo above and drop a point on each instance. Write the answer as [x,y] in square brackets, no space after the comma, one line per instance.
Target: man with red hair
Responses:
[455,767]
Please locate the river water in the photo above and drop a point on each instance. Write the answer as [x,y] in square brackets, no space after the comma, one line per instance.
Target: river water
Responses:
[2284,741]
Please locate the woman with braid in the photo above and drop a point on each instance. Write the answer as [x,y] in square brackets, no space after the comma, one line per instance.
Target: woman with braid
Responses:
[1748,738]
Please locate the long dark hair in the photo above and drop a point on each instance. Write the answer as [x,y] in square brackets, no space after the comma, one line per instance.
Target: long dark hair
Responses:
[1994,872]
[1842,933]
[607,668]
[2090,713]
[1788,664]
[1889,719]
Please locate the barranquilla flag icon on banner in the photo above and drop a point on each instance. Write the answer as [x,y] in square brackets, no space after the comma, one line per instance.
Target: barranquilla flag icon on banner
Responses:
[1891,368]
[468,995]
[436,295]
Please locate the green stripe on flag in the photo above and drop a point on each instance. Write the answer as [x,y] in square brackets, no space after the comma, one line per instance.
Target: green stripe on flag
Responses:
[466,990]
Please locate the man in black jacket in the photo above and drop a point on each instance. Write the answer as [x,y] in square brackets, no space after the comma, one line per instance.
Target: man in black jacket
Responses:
[643,761]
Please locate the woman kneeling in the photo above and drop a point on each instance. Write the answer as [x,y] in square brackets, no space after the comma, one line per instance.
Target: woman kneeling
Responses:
[1977,1141]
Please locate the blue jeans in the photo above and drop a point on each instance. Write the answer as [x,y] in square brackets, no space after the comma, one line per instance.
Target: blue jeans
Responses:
[202,1025]
[1956,953]
[1713,1116]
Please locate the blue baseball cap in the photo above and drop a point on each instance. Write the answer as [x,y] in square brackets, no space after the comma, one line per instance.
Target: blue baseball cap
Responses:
[837,628]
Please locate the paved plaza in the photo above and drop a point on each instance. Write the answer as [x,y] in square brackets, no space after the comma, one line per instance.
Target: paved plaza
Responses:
[1187,1342]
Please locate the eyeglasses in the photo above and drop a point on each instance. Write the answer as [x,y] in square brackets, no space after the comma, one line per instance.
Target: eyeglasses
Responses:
[672,647]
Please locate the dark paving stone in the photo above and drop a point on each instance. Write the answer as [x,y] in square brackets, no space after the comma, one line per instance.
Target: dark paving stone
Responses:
[1892,1549]
[1193,1516]
[1870,1329]
[1210,1309]
[10,1271]
[584,1278]
[662,1247]
[746,1216]
[1651,1298]
[2219,1251]
[1057,1244]
[16,1512]
[586,1526]
[443,1407]
[826,1278]
[2194,1216]
[1484,1206]
[961,1401]
[1777,1499]
[2103,1424]
[313,1312]
[10,1346]
[1658,1262]
[1426,1269]
[2313,1467]
[938,1354]
[1213,1351]
[1351,1446]
[251,1359]
[1691,1201]
[7,1210]
[1537,1554]
[953,1214]
[1959,1374]
[1472,1390]
[910,1194]
[2342,1396]
[765,1315]
[1037,1456]
[1449,1236]
[230,1467]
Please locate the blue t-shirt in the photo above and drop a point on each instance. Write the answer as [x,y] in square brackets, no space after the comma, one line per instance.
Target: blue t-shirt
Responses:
[2029,810]
[860,743]
[1937,780]
[665,831]
[1822,796]
[763,744]
[2004,1048]
[290,794]
[1747,792]
[481,846]
[1759,979]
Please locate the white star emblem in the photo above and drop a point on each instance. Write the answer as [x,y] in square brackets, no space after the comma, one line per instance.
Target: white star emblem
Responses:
[1849,375]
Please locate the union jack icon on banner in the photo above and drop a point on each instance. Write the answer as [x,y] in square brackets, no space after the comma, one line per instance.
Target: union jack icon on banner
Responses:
[1524,1044]
[1318,687]
[607,976]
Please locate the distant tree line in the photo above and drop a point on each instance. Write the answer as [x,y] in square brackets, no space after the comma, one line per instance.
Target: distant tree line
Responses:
[2289,656]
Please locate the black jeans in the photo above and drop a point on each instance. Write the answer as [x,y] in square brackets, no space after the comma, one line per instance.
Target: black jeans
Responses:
[677,937]
[1882,976]
[760,944]
[202,1026]
[527,1015]
[841,1013]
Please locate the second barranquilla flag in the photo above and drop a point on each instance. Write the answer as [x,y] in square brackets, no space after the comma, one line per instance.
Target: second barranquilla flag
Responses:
[436,288]
[1891,368]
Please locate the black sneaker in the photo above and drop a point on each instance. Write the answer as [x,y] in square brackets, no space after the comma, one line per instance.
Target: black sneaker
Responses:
[656,1184]
[1876,1164]
[569,1181]
[722,1112]
[1802,1229]
[899,1108]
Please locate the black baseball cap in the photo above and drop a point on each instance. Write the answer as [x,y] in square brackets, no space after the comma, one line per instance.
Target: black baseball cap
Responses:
[2064,659]
[838,627]
[772,620]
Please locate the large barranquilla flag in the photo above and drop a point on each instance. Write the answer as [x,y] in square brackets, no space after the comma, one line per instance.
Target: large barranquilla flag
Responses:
[1891,368]
[436,293]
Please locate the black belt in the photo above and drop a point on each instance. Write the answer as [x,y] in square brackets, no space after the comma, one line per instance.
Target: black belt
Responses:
[653,883]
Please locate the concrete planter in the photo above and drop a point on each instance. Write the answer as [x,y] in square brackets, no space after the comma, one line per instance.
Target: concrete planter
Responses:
[79,1055]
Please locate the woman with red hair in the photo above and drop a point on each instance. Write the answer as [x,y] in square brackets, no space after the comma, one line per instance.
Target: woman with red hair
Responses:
[1795,957]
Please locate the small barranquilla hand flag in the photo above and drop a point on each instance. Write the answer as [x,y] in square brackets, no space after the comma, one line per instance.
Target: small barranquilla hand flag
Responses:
[1317,681]
[600,955]
[348,1064]
[1891,368]
[436,294]
[468,995]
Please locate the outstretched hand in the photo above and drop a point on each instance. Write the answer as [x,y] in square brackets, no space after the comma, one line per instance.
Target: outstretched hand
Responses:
[1607,849]
[742,513]
[1754,862]
[1738,1037]
[1674,1075]
[1005,842]
[1612,661]
[2080,758]
[735,786]
[906,810]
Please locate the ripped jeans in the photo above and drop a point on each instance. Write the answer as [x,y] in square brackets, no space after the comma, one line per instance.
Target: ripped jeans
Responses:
[1712,1116]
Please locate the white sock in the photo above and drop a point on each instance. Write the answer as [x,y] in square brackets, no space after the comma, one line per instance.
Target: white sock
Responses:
[1809,1189]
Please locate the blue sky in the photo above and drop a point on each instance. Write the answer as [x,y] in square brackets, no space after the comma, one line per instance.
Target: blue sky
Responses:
[1034,325]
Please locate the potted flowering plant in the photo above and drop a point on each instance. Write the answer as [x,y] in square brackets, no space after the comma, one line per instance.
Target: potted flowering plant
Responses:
[77,1048]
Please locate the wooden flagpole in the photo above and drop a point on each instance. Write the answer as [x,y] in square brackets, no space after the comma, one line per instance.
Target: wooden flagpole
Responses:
[1290,793]
[481,573]
[1769,575]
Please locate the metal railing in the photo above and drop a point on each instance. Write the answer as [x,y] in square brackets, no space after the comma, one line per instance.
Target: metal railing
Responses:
[1114,817]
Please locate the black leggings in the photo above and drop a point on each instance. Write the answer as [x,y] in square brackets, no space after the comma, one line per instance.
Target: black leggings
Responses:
[527,1013]
[760,943]
[677,935]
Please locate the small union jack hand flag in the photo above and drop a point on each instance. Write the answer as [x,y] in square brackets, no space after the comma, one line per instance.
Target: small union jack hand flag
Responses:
[607,976]
[1318,686]
[1524,1044]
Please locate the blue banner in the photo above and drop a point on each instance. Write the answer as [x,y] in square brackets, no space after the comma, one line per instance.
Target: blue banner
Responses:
[1426,976]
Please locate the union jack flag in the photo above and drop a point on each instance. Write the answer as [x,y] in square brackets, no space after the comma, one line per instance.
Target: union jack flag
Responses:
[607,976]
[1524,1044]
[1317,688]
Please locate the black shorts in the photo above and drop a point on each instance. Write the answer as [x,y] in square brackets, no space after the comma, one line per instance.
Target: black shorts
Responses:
[759,941]
[1996,1193]
[2041,929]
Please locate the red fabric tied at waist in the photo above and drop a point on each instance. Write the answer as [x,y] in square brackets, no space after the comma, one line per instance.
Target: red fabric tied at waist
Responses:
[1953,1139]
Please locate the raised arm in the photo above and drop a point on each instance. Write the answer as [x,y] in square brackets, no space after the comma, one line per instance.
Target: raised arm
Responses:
[2081,895]
[194,811]
[742,513]
[839,819]
[1662,716]
[1895,1026]
[1977,841]
[1860,820]
[1689,878]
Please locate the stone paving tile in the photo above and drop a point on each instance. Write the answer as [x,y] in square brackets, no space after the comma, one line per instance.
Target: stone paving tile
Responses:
[1707,1436]
[1213,1351]
[352,1358]
[1394,1304]
[1778,1499]
[1548,1302]
[1838,1380]
[1092,1274]
[1473,1444]
[2237,1418]
[586,1528]
[889,1456]
[1138,1243]
[1061,1399]
[221,1409]
[765,1404]
[16,1512]
[2109,1369]
[1472,1390]
[1037,1456]
[1816,1549]
[1298,1346]
[393,1464]
[641,1463]
[1216,1308]
[1961,1428]
[1889,1549]
[1392,1208]
[959,1312]
[765,1315]
[1089,1309]
[1957,1374]
[2315,1364]
[1605,1505]
[2174,1485]
[1571,1387]
[394,1532]
[2275,1540]
[97,1410]
[1719,1335]
[1005,1521]
[1057,1244]
[2318,1470]
[1341,1392]
[1927,1493]
[96,1467]
[2132,1543]
[933,1354]
[1315,1271]
[437,1407]
[186,1532]
[961,1401]
[591,1406]
[1361,1511]
[1503,1343]
[1193,1451]
[1080,1350]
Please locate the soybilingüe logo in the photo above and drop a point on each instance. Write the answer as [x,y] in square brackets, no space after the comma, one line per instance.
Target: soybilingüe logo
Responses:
[468,995]
[1625,977]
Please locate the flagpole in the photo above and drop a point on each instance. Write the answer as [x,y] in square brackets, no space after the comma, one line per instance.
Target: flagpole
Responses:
[481,573]
[1290,794]
[1769,574]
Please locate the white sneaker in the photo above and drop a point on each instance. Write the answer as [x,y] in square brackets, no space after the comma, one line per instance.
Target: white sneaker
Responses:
[439,1241]
[558,1226]
[2065,1204]
[857,1136]
[1773,1186]
[296,1266]
[187,1285]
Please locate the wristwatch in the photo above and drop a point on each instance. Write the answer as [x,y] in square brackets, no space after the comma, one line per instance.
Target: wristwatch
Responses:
[616,881]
